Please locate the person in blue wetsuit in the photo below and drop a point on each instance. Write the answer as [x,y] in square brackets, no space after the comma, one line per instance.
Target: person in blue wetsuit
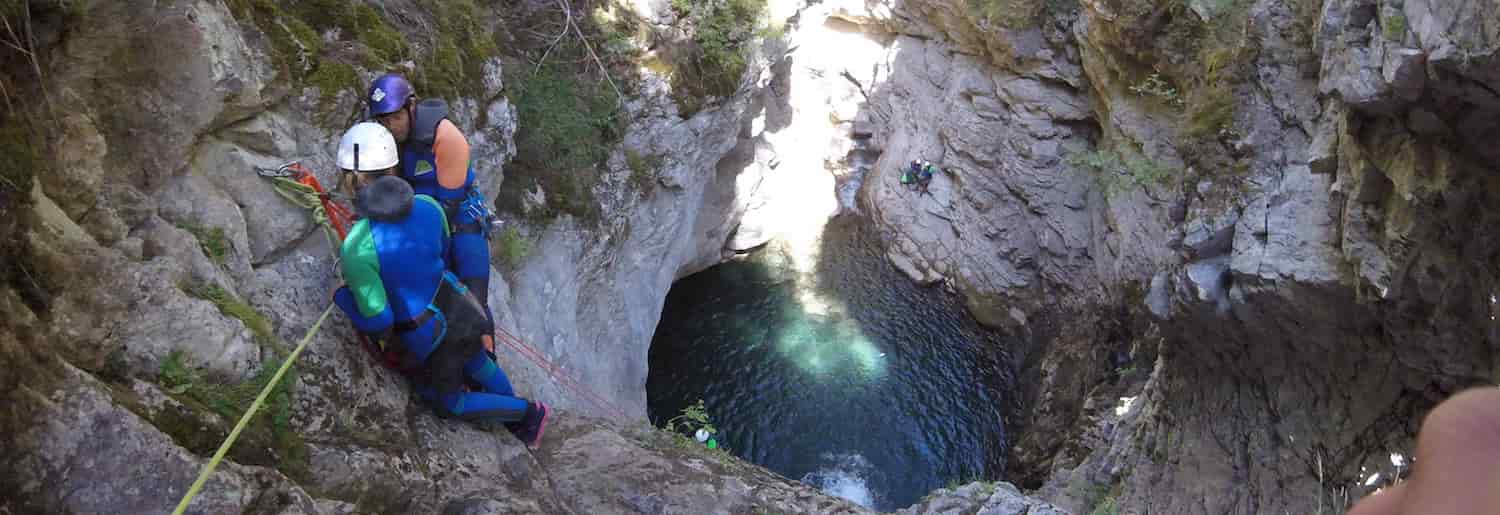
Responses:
[435,161]
[399,292]
[918,173]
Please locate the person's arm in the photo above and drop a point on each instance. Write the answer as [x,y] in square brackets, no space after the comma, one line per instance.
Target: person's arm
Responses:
[452,151]
[363,297]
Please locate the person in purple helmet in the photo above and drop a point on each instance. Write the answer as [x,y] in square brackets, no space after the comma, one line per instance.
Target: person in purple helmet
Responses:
[435,161]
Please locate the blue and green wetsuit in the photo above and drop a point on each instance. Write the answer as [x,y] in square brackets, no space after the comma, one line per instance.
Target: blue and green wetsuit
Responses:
[397,281]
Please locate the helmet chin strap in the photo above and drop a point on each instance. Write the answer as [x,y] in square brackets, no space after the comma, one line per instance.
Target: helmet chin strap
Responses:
[356,158]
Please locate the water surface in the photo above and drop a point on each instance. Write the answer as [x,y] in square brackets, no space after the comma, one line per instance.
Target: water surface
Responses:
[851,378]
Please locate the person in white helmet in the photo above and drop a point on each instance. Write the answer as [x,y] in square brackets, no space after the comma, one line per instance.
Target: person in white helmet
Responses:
[399,292]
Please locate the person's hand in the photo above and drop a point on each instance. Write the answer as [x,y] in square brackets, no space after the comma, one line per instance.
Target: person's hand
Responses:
[1456,470]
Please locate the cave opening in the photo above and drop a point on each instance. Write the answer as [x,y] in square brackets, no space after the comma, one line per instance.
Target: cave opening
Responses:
[847,376]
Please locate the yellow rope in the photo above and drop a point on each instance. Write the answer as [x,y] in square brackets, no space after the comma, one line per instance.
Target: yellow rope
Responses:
[249,413]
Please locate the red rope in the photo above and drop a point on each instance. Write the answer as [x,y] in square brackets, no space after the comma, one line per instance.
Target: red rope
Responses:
[339,215]
[341,218]
[556,373]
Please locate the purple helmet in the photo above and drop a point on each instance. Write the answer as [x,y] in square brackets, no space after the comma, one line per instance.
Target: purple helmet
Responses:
[388,93]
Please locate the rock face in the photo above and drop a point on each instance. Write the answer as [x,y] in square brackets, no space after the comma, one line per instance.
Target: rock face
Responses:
[1248,242]
[1258,332]
[1005,220]
[981,499]
[162,253]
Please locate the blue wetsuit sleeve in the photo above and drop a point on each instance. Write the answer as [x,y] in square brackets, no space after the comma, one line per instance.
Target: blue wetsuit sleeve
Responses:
[364,298]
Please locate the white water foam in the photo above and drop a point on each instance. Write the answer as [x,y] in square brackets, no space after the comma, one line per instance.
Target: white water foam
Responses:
[845,478]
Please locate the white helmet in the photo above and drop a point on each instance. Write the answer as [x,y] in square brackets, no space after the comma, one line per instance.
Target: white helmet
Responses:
[367,147]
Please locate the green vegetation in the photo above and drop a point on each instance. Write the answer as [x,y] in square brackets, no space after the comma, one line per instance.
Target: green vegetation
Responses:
[712,66]
[1155,86]
[230,399]
[691,419]
[270,430]
[1308,15]
[513,247]
[231,306]
[1194,66]
[455,67]
[330,78]
[564,120]
[355,21]
[568,98]
[295,46]
[619,33]
[28,120]
[1017,14]
[1007,13]
[1119,171]
[1211,112]
[1393,25]
[567,124]
[18,157]
[645,169]
[986,488]
[295,30]
[451,65]
[212,240]
[775,30]
[1108,506]
[1211,106]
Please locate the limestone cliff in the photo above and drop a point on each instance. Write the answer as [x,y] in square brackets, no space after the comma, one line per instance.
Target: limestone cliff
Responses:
[153,278]
[1249,241]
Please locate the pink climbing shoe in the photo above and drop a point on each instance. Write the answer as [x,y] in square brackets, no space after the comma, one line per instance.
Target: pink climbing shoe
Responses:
[532,427]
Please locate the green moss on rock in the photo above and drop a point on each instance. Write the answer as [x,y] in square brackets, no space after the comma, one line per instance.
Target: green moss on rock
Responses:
[212,240]
[232,306]
[1393,25]
[454,66]
[295,46]
[18,158]
[268,440]
[713,64]
[567,125]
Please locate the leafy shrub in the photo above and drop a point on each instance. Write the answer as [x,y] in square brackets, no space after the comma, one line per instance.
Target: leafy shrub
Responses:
[513,247]
[567,124]
[691,419]
[645,169]
[713,64]
[1117,172]
[1155,86]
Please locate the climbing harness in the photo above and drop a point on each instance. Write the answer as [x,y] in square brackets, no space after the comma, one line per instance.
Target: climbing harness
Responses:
[249,414]
[297,183]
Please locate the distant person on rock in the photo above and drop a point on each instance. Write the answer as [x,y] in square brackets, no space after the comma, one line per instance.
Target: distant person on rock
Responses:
[1456,470]
[435,161]
[400,293]
[919,174]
